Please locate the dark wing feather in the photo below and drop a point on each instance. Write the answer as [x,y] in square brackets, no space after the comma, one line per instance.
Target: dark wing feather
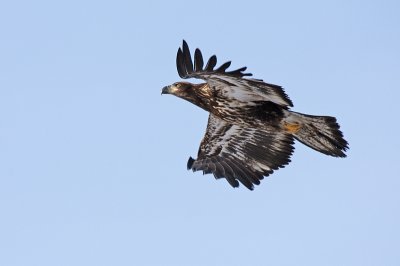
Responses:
[212,62]
[187,57]
[180,65]
[241,154]
[233,83]
[223,67]
[198,61]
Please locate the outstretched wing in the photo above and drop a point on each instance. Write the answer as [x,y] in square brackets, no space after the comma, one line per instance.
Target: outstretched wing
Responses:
[241,154]
[232,84]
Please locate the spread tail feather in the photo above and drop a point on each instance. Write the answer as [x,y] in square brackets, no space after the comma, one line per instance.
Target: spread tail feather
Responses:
[321,133]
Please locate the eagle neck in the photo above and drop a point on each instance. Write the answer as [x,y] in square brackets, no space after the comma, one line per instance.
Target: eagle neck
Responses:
[200,95]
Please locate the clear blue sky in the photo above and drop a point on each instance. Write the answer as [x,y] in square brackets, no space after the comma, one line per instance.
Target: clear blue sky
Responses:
[93,159]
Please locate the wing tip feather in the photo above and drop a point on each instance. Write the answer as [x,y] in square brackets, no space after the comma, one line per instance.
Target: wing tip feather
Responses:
[190,163]
[186,68]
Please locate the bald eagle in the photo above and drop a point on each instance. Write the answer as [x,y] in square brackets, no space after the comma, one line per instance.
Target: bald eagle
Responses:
[251,129]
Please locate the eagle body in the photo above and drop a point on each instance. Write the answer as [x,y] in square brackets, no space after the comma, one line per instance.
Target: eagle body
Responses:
[231,110]
[251,129]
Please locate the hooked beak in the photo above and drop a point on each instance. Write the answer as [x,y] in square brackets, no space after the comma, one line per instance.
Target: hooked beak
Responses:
[165,90]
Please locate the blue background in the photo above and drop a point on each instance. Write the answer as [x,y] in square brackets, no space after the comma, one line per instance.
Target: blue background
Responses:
[93,159]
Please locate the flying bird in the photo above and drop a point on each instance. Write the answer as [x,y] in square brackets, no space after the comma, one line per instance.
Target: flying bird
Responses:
[251,129]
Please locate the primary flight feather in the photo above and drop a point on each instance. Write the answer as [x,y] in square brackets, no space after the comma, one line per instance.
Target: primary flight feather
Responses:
[250,131]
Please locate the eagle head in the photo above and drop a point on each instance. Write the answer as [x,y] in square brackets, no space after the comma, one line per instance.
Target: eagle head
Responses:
[179,89]
[189,92]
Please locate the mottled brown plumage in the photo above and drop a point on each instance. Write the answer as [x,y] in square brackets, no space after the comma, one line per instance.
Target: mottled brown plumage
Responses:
[250,131]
